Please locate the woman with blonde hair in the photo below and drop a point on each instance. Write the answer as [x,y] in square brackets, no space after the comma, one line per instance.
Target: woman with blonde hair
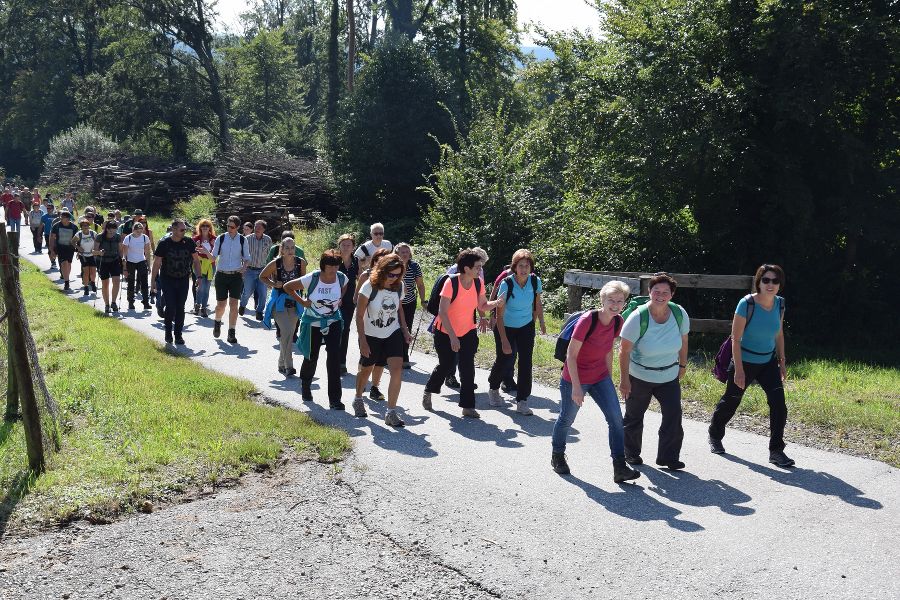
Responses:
[514,331]
[204,238]
[414,288]
[382,330]
[346,244]
[281,306]
[588,370]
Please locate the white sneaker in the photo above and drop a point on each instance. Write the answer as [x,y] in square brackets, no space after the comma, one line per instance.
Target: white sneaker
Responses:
[522,408]
[495,399]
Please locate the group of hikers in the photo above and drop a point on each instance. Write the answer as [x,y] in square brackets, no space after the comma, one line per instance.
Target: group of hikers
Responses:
[374,289]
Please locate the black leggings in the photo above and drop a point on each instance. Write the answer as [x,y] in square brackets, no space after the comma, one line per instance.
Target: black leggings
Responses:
[768,376]
[348,312]
[137,277]
[447,359]
[332,359]
[521,340]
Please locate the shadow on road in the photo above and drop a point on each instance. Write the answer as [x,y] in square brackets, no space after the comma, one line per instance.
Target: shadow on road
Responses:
[817,482]
[683,487]
[479,430]
[633,502]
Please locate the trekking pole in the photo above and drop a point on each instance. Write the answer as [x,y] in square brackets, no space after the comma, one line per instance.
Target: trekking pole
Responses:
[418,327]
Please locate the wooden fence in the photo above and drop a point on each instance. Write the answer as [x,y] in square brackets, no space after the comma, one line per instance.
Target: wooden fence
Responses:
[578,281]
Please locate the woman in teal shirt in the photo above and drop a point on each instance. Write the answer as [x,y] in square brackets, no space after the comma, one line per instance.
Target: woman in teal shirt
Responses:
[757,345]
[514,332]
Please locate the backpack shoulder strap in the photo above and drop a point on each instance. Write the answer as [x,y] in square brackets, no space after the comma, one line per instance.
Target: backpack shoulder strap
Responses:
[618,321]
[220,239]
[313,283]
[477,286]
[342,279]
[454,283]
[509,286]
[595,316]
[780,306]
[751,306]
[644,315]
[679,315]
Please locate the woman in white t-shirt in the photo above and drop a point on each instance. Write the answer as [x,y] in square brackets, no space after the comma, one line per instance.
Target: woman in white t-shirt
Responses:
[366,252]
[383,331]
[84,242]
[321,321]
[136,250]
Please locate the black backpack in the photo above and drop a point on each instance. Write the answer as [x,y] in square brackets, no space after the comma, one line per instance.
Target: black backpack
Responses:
[509,279]
[434,298]
[565,335]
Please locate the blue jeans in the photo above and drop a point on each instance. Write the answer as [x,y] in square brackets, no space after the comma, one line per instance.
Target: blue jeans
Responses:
[203,292]
[254,287]
[604,394]
[14,224]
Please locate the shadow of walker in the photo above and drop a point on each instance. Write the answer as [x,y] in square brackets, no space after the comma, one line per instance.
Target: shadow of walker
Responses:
[817,482]
[683,487]
[633,502]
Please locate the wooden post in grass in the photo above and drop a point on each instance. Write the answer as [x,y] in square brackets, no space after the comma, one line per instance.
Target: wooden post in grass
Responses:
[12,382]
[18,357]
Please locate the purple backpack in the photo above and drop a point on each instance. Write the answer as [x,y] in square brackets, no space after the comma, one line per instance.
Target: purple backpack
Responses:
[725,354]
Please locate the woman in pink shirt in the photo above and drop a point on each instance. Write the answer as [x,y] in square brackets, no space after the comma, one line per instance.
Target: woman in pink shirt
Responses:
[588,369]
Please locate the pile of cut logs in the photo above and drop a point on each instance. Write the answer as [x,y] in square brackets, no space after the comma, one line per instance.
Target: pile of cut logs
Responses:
[282,192]
[155,189]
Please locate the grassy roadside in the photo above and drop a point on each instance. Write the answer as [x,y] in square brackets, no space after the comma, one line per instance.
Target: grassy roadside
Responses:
[138,423]
[832,404]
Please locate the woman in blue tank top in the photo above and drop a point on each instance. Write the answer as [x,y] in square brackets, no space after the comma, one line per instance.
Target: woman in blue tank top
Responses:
[757,343]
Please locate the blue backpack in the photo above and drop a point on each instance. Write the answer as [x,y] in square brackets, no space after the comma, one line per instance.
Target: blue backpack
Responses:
[568,328]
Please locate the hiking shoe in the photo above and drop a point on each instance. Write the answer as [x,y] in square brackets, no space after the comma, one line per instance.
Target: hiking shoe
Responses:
[259,316]
[675,465]
[168,337]
[471,413]
[392,419]
[780,459]
[66,286]
[359,408]
[559,464]
[343,367]
[241,310]
[232,338]
[426,400]
[305,391]
[94,287]
[196,309]
[161,313]
[622,472]
[115,307]
[217,328]
[522,408]
[337,405]
[715,446]
[495,399]
[179,341]
[634,460]
[291,371]
[146,305]
[86,290]
[204,312]
[281,370]
[451,382]
[375,394]
[107,310]
[131,306]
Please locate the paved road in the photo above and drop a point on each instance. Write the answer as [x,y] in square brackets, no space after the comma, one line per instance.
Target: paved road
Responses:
[479,496]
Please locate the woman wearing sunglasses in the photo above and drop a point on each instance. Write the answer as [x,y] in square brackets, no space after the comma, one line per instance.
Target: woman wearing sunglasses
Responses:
[757,345]
[383,331]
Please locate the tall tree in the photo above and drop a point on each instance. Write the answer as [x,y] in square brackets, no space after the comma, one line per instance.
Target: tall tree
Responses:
[334,72]
[351,44]
[403,21]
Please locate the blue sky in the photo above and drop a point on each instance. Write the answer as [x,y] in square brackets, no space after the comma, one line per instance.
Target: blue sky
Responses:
[554,15]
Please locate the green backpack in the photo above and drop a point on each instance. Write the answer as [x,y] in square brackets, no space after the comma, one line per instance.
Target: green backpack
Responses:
[642,305]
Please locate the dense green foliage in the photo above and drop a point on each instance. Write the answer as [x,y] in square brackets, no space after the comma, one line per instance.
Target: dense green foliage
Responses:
[702,136]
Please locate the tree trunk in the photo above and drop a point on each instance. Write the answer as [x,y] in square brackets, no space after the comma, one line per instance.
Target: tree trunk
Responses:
[373,30]
[331,101]
[351,44]
[463,64]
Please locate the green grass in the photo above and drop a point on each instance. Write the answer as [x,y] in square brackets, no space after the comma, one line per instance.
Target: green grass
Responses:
[138,423]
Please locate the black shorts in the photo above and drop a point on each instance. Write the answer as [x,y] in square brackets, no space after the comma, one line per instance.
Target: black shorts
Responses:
[65,253]
[381,349]
[87,261]
[228,285]
[110,269]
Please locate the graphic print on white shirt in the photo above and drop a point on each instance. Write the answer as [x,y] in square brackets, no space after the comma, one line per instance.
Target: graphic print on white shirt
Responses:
[382,316]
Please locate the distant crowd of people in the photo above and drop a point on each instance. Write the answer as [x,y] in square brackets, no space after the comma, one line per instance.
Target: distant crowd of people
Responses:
[374,288]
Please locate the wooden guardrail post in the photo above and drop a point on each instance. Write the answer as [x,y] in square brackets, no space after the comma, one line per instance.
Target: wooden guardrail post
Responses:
[18,359]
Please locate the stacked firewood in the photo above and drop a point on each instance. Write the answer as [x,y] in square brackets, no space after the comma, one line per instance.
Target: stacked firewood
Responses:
[155,189]
[281,191]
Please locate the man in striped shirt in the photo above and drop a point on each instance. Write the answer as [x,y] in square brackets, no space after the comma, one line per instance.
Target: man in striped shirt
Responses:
[259,244]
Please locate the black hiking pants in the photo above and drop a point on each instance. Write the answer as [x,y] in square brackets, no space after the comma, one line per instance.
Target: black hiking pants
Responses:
[521,341]
[448,359]
[671,433]
[768,376]
[137,277]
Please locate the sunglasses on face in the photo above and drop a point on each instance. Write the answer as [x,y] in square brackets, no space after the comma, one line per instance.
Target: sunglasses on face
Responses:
[772,280]
[374,233]
[394,275]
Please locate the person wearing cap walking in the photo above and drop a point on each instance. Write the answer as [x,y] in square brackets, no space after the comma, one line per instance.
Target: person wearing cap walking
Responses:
[84,242]
[258,246]
[61,235]
[37,228]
